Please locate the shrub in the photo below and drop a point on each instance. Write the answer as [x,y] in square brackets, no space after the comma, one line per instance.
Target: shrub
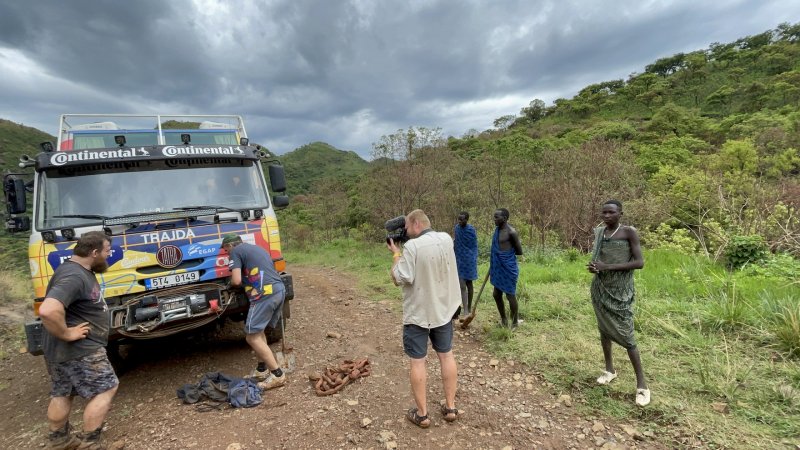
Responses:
[783,317]
[727,308]
[743,250]
[779,265]
[666,237]
[572,254]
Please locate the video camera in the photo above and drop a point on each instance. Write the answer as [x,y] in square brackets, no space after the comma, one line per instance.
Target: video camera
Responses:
[397,230]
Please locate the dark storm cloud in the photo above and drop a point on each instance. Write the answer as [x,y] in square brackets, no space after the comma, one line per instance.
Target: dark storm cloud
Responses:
[344,72]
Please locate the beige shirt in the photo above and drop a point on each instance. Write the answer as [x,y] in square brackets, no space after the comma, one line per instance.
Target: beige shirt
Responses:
[427,272]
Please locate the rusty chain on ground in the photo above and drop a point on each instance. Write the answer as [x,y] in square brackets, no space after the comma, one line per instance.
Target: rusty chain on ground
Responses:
[334,379]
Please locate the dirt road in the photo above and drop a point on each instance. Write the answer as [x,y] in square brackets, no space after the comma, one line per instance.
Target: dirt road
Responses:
[505,405]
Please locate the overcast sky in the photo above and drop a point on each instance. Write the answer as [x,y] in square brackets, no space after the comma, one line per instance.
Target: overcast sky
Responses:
[342,72]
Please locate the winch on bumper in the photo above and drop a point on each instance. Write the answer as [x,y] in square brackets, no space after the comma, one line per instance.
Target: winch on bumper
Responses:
[168,311]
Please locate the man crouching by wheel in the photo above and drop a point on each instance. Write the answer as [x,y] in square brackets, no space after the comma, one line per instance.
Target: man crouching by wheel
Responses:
[426,269]
[75,318]
[252,268]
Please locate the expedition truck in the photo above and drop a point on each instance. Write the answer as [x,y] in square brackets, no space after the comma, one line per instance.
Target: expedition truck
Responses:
[166,189]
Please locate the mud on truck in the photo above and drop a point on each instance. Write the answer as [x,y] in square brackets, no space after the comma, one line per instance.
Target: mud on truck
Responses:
[166,189]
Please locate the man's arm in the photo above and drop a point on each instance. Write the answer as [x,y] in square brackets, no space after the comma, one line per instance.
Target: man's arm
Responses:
[53,317]
[236,265]
[396,255]
[236,277]
[514,238]
[402,271]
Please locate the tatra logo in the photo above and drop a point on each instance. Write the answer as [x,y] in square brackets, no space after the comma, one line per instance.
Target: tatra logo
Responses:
[61,158]
[172,150]
[169,256]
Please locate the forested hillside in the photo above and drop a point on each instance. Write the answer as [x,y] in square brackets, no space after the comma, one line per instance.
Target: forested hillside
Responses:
[318,160]
[701,147]
[17,140]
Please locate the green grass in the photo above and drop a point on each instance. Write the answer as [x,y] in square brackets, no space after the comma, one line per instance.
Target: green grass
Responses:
[706,337]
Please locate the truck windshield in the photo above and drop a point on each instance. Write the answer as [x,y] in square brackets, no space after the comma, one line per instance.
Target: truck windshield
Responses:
[146,187]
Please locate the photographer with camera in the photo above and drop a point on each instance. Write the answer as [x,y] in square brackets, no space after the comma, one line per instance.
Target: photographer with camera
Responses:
[426,270]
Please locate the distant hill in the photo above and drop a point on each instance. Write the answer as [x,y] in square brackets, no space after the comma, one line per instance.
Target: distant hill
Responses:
[316,161]
[17,140]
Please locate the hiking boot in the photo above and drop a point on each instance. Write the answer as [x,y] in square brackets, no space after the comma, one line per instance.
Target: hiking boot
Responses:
[272,382]
[260,375]
[91,440]
[63,439]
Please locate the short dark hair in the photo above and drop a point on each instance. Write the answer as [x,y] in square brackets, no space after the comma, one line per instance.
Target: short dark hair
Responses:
[465,214]
[614,202]
[504,212]
[93,240]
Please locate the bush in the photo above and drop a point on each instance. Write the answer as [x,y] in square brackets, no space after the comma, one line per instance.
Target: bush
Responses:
[666,237]
[572,254]
[779,265]
[783,317]
[743,250]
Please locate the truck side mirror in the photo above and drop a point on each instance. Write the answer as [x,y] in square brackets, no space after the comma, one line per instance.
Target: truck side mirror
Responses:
[277,178]
[280,201]
[14,190]
[17,224]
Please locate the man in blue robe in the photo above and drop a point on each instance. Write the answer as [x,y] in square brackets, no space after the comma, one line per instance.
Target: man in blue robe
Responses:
[465,243]
[503,269]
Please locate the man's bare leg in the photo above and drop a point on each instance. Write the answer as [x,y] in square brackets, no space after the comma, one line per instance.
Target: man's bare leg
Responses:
[501,307]
[607,355]
[636,361]
[258,342]
[449,377]
[419,380]
[96,409]
[58,412]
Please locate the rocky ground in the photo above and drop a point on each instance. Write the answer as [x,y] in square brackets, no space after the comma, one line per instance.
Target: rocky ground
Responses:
[504,404]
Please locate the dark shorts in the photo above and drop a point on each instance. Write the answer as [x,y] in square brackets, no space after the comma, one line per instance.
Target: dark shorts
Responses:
[415,339]
[266,311]
[87,376]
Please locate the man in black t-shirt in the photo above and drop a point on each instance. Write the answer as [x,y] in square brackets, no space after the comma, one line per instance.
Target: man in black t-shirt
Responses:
[75,318]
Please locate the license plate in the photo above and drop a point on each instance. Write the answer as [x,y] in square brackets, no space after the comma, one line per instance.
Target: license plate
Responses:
[172,280]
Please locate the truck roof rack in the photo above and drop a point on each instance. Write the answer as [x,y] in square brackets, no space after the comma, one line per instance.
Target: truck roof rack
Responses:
[70,123]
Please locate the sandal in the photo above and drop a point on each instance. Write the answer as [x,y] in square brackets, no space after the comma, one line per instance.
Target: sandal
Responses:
[416,419]
[446,412]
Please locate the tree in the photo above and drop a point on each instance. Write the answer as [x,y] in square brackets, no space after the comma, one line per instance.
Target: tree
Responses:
[502,123]
[788,32]
[673,152]
[738,157]
[676,120]
[721,97]
[412,167]
[535,111]
[666,66]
